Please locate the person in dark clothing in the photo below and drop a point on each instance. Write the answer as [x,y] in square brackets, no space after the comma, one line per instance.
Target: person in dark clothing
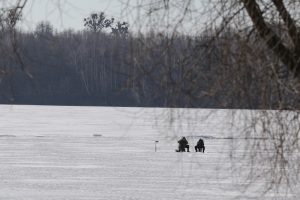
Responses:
[200,146]
[183,144]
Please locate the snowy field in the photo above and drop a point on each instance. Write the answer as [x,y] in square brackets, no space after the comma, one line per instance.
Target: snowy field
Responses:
[93,153]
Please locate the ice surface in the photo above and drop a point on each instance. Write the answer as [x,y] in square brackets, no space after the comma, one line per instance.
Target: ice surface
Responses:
[50,152]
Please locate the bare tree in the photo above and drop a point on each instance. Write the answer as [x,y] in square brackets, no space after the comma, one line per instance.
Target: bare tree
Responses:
[98,21]
[253,47]
[10,15]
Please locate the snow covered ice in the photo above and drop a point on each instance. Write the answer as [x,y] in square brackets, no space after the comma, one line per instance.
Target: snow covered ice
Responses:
[92,153]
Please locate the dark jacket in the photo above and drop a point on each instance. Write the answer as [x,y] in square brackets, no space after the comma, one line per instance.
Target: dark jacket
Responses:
[200,143]
[183,142]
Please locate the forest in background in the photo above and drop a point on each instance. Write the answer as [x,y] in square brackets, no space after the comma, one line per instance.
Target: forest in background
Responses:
[97,68]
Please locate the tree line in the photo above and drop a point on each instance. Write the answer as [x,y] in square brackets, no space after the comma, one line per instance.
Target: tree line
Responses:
[92,67]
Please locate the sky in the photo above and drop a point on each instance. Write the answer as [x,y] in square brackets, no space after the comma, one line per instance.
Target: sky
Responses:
[66,14]
[69,14]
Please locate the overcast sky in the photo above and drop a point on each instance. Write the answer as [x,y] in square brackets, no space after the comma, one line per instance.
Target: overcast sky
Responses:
[65,14]
[69,14]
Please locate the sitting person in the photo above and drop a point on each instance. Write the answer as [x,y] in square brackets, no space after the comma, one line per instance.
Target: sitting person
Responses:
[183,143]
[200,146]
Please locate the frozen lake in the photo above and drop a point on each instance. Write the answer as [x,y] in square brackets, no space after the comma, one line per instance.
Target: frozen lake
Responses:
[92,153]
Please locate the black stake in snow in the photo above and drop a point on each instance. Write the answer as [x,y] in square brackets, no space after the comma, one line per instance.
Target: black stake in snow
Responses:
[155,145]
